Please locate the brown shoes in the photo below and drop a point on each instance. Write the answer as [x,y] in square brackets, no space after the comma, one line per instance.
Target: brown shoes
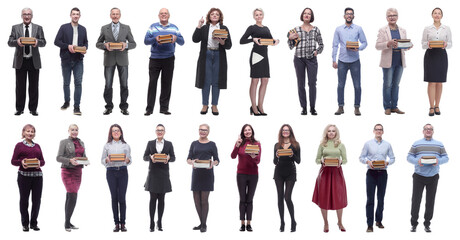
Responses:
[379,224]
[357,112]
[339,111]
[396,110]
[388,111]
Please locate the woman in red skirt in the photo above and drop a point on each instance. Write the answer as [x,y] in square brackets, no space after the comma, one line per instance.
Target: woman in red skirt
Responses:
[330,189]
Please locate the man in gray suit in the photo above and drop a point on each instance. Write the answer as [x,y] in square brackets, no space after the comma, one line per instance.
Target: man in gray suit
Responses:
[115,32]
[26,61]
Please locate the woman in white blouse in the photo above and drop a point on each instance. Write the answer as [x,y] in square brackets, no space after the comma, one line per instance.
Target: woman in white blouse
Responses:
[435,61]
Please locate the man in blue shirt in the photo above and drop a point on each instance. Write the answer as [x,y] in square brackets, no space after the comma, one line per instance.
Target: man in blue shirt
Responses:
[376,149]
[161,61]
[426,175]
[348,58]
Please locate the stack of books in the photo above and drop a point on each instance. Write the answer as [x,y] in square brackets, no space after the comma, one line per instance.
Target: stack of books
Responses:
[266,42]
[428,160]
[160,157]
[27,40]
[297,40]
[32,162]
[80,49]
[202,164]
[165,38]
[352,45]
[331,162]
[82,160]
[115,46]
[284,152]
[117,157]
[404,44]
[220,33]
[252,149]
[436,44]
[378,164]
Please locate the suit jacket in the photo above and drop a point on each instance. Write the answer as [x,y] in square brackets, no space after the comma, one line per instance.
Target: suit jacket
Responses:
[18,31]
[64,38]
[201,34]
[387,53]
[115,57]
[67,151]
[158,177]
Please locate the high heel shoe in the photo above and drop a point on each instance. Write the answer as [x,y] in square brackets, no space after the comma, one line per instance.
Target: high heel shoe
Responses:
[260,112]
[282,227]
[159,227]
[431,114]
[341,228]
[216,112]
[204,112]
[326,228]
[437,112]
[251,112]
[293,226]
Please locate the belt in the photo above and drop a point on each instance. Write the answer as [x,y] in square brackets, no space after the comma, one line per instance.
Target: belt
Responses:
[117,168]
[213,49]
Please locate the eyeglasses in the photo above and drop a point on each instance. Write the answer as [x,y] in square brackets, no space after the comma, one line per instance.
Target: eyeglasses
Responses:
[159,130]
[203,130]
[116,131]
[286,130]
[349,14]
[27,14]
[378,129]
[392,16]
[428,129]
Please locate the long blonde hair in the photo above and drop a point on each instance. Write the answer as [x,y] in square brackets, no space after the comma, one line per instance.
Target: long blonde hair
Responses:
[336,139]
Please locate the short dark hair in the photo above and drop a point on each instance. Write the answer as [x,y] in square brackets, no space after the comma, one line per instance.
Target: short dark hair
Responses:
[378,124]
[75,9]
[348,9]
[161,125]
[438,9]
[208,16]
[312,15]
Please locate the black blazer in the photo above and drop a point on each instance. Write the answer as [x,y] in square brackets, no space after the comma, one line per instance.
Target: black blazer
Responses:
[201,34]
[64,38]
[158,177]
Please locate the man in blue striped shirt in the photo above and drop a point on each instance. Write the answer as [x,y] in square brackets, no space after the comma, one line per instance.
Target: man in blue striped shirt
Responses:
[348,58]
[426,175]
[161,61]
[376,149]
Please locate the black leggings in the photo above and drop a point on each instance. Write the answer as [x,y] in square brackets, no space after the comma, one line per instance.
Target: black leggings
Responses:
[201,205]
[161,207]
[247,188]
[285,194]
[70,202]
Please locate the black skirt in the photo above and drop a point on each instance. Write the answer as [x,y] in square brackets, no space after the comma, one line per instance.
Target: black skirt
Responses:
[435,65]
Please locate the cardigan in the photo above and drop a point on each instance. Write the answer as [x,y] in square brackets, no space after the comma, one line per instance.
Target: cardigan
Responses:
[201,35]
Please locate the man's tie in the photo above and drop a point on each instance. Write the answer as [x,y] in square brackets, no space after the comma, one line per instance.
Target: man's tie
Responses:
[27,48]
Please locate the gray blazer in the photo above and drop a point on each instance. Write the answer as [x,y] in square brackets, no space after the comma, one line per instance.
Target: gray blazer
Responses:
[115,57]
[67,151]
[18,31]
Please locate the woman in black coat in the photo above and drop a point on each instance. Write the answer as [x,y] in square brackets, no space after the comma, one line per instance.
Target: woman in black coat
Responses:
[212,62]
[158,183]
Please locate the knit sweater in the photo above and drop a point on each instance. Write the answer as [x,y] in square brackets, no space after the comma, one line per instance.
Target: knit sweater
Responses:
[21,151]
[246,164]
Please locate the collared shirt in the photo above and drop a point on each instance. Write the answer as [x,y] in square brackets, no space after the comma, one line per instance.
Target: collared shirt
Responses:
[424,147]
[431,33]
[31,173]
[343,34]
[307,45]
[166,50]
[160,145]
[213,43]
[75,35]
[375,150]
[28,144]
[30,35]
[114,26]
[116,147]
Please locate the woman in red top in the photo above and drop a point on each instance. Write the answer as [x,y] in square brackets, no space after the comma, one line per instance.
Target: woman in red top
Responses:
[247,174]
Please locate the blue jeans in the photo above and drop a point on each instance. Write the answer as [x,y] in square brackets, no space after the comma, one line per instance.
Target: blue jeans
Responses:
[118,183]
[108,90]
[211,78]
[355,70]
[375,178]
[391,79]
[77,68]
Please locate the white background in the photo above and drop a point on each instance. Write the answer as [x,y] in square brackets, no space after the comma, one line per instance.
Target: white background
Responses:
[93,212]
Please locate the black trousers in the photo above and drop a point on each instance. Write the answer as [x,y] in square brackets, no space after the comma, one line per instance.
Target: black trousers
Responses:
[311,66]
[247,188]
[27,69]
[166,68]
[27,185]
[375,179]
[419,183]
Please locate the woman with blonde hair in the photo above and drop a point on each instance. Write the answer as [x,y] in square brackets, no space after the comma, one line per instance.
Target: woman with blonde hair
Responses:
[330,189]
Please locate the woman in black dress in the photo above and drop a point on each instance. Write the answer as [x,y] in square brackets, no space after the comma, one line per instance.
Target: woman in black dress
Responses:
[158,183]
[260,69]
[285,172]
[202,178]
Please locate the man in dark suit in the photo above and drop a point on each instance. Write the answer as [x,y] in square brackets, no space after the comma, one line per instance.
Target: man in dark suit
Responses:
[115,32]
[69,36]
[27,61]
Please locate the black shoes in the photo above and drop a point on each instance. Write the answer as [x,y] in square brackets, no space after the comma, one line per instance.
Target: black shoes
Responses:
[165,112]
[260,112]
[313,112]
[148,112]
[107,111]
[35,228]
[25,228]
[251,112]
[65,106]
[117,228]
[76,111]
[159,227]
[34,113]
[437,112]
[203,113]
[379,224]
[249,228]
[123,228]
[431,114]
[413,229]
[304,111]
[17,113]
[293,226]
[427,229]
[282,227]
[242,228]
[197,227]
[215,113]
[203,228]
[124,112]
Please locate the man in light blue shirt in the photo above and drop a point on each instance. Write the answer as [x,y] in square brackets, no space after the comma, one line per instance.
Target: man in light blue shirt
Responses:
[426,175]
[348,58]
[376,149]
